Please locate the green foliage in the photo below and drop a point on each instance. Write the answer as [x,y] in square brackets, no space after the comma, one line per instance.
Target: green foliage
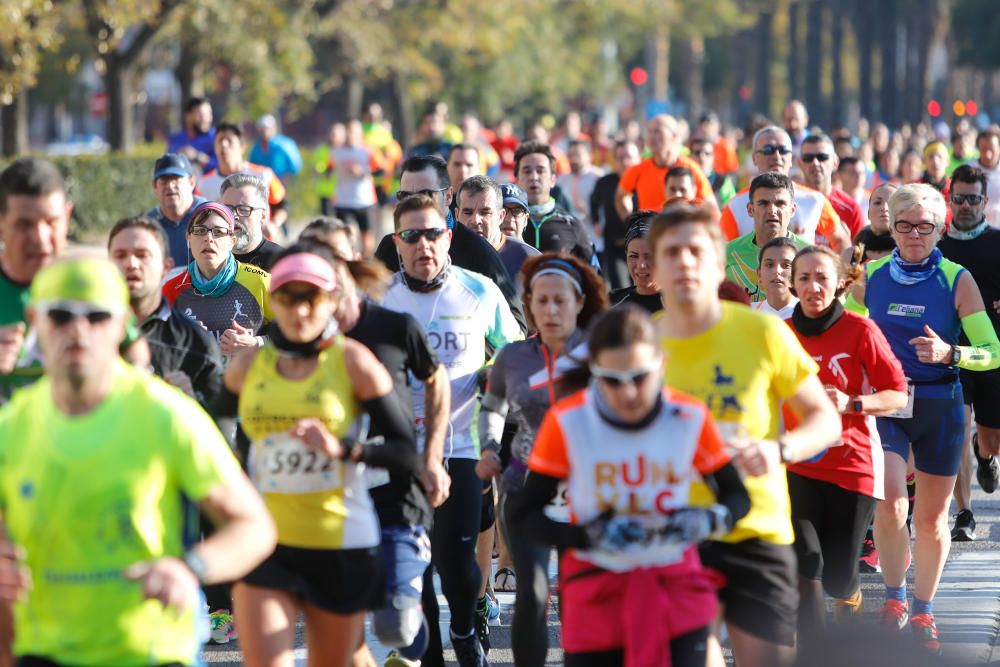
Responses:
[30,27]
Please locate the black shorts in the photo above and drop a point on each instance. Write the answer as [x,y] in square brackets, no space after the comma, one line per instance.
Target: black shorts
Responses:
[761,594]
[488,517]
[340,581]
[362,217]
[981,390]
[830,524]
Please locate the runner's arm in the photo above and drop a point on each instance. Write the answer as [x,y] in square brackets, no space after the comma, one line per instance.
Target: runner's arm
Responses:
[527,516]
[729,490]
[984,352]
[623,202]
[819,424]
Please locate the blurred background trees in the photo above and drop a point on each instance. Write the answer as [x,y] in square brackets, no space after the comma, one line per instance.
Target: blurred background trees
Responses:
[120,69]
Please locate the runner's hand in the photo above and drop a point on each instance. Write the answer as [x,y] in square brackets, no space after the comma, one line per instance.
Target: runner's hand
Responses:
[608,532]
[489,465]
[930,348]
[436,481]
[15,578]
[236,337]
[180,380]
[165,579]
[839,399]
[756,457]
[314,435]
[11,342]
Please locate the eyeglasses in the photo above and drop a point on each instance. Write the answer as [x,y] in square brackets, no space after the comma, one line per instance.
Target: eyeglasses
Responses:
[411,236]
[809,157]
[63,313]
[923,228]
[616,379]
[406,194]
[216,232]
[515,210]
[243,210]
[771,149]
[289,299]
[971,200]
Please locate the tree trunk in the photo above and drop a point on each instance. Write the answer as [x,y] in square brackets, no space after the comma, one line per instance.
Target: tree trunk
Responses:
[837,107]
[116,82]
[923,49]
[188,73]
[814,63]
[355,95]
[660,70]
[763,74]
[696,77]
[863,37]
[404,127]
[794,51]
[887,43]
[14,119]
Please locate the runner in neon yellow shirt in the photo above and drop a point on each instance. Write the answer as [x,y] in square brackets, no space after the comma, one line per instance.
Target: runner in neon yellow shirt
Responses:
[97,460]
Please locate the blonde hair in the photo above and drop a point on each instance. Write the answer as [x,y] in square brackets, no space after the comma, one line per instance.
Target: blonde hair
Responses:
[913,195]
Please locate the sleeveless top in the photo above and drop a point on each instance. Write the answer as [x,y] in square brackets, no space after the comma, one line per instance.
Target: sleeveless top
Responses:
[316,502]
[901,311]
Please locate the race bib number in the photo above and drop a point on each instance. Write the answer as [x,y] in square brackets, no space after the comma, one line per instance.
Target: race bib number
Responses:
[905,412]
[558,508]
[283,464]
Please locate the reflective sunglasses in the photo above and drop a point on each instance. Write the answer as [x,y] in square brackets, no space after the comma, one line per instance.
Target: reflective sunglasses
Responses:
[972,200]
[406,194]
[290,299]
[809,157]
[923,228]
[619,378]
[771,149]
[216,232]
[243,210]
[61,314]
[412,236]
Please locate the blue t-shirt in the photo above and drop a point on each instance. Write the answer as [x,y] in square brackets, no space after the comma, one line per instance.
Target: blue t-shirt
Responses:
[175,231]
[281,156]
[203,143]
[902,311]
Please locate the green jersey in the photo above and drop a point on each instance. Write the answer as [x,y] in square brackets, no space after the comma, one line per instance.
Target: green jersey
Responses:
[87,496]
[13,299]
[742,260]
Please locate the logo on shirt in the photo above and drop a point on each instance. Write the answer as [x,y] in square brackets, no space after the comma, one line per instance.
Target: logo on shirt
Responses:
[906,310]
[835,367]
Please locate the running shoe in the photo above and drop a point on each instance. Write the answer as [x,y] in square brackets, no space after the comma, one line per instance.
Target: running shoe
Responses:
[223,630]
[849,610]
[894,614]
[394,659]
[868,563]
[987,470]
[926,632]
[965,527]
[483,612]
[468,651]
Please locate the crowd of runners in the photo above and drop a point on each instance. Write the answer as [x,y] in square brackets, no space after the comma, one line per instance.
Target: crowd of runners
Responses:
[717,376]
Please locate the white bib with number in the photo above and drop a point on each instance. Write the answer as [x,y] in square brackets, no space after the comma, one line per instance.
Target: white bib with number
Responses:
[281,463]
[905,412]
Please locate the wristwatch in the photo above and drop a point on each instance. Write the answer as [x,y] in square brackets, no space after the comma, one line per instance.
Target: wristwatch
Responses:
[196,564]
[784,451]
[956,355]
[856,406]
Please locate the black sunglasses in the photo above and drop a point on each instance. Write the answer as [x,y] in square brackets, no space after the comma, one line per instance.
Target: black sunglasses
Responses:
[406,194]
[771,149]
[809,157]
[412,236]
[972,200]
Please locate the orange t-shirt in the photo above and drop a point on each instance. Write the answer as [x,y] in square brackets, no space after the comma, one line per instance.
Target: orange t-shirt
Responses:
[649,182]
[726,160]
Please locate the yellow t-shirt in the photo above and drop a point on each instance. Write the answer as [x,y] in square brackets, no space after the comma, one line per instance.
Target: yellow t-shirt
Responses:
[742,368]
[316,502]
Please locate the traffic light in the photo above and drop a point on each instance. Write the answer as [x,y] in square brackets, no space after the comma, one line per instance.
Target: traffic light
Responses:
[638,76]
[958,108]
[971,107]
[934,108]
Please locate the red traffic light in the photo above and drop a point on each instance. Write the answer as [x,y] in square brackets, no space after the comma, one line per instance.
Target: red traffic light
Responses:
[638,76]
[971,107]
[934,108]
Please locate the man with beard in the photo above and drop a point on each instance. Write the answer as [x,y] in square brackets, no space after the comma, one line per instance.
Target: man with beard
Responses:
[971,242]
[246,196]
[196,141]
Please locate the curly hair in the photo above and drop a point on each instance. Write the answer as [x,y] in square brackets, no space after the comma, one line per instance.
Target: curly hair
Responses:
[594,292]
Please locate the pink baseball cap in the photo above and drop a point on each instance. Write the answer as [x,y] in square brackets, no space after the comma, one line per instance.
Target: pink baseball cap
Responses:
[303,267]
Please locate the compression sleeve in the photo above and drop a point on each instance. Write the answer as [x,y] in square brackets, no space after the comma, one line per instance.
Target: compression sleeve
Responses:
[527,515]
[984,353]
[729,491]
[492,417]
[398,452]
